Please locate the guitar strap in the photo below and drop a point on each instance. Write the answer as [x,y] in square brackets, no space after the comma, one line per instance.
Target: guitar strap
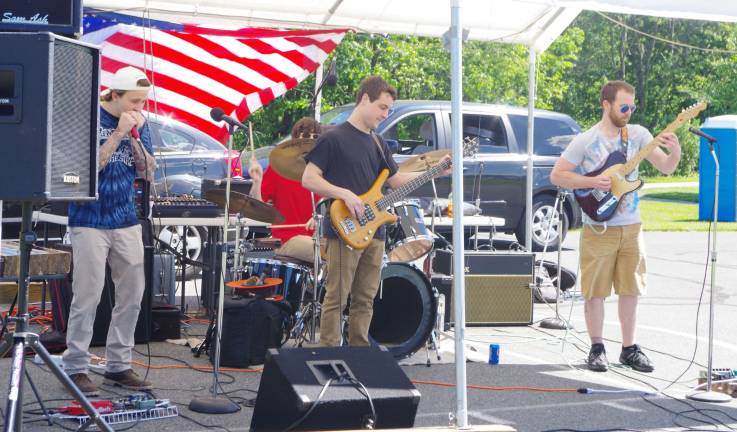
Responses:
[625,140]
[381,149]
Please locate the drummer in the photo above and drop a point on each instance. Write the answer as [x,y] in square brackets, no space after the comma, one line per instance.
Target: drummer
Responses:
[290,198]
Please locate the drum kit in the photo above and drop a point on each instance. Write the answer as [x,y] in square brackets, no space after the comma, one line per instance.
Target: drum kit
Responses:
[406,306]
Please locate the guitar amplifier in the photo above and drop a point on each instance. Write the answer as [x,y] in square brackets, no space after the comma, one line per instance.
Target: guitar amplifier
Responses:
[498,287]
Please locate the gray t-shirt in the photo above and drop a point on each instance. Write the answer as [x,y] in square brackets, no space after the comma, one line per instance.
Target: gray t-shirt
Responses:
[589,150]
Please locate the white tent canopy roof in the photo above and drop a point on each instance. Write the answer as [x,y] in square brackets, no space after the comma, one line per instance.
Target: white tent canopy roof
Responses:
[534,23]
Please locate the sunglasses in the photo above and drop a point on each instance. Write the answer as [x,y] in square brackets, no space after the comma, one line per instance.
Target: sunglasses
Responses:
[624,108]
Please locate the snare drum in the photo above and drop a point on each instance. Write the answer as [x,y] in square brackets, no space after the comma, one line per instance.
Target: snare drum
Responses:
[293,276]
[410,239]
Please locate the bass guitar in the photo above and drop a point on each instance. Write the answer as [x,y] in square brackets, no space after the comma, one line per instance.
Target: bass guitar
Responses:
[358,233]
[601,205]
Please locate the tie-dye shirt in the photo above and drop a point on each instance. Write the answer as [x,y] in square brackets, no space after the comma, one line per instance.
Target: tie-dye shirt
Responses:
[114,207]
[589,150]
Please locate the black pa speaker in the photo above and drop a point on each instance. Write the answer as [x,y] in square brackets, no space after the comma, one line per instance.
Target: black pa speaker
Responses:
[49,115]
[293,379]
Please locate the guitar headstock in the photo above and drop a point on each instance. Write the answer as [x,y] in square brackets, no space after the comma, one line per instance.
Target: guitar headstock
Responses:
[690,112]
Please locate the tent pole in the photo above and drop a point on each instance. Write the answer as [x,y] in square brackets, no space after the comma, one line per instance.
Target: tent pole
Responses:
[530,144]
[459,289]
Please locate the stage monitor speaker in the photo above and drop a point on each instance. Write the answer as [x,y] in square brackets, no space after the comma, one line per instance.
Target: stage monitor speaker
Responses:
[293,378]
[498,287]
[49,115]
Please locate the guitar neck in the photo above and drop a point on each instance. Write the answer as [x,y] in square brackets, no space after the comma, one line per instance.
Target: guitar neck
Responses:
[398,194]
[633,163]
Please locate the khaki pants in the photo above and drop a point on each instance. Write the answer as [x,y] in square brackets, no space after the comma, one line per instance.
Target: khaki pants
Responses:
[92,248]
[613,258]
[354,272]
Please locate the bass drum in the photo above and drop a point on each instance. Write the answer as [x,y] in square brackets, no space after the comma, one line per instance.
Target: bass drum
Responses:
[405,310]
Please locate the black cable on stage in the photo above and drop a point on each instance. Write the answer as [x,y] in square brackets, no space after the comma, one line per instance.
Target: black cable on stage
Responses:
[312,408]
[371,422]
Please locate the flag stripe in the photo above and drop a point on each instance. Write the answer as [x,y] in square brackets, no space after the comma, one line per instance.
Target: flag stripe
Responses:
[195,68]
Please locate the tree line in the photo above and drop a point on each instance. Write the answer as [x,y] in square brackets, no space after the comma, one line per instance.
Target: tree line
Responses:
[672,64]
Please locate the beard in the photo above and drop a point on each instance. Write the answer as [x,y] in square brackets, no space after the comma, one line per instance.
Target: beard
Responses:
[617,121]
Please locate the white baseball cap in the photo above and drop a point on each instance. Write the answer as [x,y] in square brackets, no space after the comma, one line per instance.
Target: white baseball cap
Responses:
[128,78]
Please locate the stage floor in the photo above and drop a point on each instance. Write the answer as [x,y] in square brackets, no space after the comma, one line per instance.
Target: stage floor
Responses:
[530,389]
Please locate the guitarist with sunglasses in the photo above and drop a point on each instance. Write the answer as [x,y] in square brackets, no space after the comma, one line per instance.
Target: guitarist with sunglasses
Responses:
[345,163]
[612,252]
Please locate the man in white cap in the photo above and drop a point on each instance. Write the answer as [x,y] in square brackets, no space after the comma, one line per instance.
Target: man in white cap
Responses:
[107,231]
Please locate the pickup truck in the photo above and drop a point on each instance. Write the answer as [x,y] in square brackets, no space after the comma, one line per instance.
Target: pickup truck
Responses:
[500,166]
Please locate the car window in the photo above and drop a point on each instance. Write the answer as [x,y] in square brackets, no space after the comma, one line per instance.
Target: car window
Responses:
[415,134]
[552,136]
[174,139]
[488,129]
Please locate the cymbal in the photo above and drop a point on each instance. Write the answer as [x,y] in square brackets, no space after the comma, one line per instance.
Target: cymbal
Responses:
[288,158]
[423,161]
[245,205]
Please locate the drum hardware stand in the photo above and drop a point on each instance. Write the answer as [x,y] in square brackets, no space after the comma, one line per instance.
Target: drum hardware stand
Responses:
[214,404]
[477,183]
[305,325]
[556,323]
[22,338]
[708,395]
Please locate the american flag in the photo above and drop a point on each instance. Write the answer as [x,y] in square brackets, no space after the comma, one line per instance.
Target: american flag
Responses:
[195,68]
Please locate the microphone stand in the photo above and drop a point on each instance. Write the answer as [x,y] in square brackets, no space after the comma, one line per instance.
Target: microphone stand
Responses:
[556,323]
[214,404]
[708,395]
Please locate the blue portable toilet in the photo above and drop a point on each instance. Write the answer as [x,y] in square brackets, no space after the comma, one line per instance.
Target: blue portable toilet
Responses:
[724,129]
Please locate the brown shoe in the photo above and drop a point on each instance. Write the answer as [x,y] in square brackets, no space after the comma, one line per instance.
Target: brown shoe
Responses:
[127,379]
[84,384]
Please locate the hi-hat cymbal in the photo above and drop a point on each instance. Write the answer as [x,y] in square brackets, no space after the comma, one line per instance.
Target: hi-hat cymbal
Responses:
[245,205]
[423,161]
[288,158]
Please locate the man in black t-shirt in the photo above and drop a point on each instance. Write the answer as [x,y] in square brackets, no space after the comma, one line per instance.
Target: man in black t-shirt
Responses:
[344,164]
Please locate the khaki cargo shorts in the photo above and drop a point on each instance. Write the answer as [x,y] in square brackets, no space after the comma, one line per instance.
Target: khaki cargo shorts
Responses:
[615,258]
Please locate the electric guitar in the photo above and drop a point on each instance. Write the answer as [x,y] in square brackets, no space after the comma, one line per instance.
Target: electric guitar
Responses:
[600,205]
[359,233]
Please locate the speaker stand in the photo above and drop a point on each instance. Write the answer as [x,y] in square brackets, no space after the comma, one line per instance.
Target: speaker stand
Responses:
[22,338]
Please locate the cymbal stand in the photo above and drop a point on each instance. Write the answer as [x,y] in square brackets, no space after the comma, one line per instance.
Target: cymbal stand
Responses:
[22,338]
[305,325]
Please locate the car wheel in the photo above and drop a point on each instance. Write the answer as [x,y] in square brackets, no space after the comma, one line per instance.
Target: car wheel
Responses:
[173,235]
[545,224]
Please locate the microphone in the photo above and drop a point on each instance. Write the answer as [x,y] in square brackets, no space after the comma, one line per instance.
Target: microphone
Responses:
[135,134]
[218,115]
[703,135]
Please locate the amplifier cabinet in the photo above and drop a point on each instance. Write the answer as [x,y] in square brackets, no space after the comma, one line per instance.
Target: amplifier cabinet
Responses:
[498,288]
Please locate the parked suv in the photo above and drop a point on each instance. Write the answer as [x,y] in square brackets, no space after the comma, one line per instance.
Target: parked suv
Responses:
[415,127]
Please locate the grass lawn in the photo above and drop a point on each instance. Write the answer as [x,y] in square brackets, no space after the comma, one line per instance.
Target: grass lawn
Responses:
[675,216]
[671,179]
[689,194]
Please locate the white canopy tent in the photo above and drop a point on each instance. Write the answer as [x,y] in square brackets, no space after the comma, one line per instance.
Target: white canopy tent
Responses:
[534,23]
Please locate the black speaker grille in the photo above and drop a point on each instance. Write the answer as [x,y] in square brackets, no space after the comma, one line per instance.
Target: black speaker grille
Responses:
[73,78]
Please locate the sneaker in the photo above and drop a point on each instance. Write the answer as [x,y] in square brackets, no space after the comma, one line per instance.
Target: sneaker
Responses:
[84,384]
[636,359]
[127,379]
[597,358]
